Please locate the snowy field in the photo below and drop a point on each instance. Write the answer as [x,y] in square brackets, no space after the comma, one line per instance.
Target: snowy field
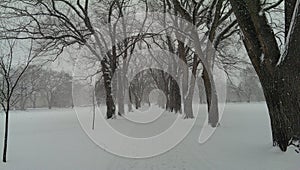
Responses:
[54,140]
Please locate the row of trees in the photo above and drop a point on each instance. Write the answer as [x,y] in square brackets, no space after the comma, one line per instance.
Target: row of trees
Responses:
[197,32]
[40,87]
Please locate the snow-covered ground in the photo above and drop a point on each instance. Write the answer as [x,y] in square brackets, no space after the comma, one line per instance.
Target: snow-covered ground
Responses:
[54,140]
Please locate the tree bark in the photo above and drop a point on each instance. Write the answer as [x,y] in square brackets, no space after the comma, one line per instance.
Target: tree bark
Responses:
[282,97]
[110,105]
[211,99]
[175,97]
[188,100]
[120,77]
[5,135]
[127,96]
[279,74]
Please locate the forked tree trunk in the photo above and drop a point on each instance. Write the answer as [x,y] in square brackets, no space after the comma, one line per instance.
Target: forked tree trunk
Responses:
[279,73]
[282,97]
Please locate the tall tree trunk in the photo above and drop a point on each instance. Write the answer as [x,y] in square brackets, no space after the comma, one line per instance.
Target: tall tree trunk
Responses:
[167,91]
[282,97]
[127,95]
[184,69]
[110,105]
[175,97]
[282,93]
[188,101]
[201,90]
[211,99]
[120,77]
[34,101]
[4,158]
[49,100]
[137,101]
[174,89]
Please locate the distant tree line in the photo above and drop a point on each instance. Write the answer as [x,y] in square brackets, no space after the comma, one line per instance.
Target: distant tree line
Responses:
[40,87]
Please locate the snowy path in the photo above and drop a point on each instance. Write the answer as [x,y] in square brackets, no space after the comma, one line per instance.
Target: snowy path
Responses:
[44,140]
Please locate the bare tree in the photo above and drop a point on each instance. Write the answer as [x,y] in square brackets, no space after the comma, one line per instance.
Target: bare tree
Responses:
[54,84]
[12,68]
[218,25]
[61,24]
[28,88]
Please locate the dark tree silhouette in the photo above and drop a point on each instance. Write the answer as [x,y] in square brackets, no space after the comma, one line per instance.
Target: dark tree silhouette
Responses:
[279,74]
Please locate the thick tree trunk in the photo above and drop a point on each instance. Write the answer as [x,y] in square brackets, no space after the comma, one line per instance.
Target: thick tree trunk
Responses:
[126,86]
[137,101]
[188,108]
[175,97]
[279,73]
[282,98]
[4,159]
[188,101]
[201,90]
[128,97]
[167,92]
[211,99]
[188,98]
[110,105]
[174,89]
[185,74]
